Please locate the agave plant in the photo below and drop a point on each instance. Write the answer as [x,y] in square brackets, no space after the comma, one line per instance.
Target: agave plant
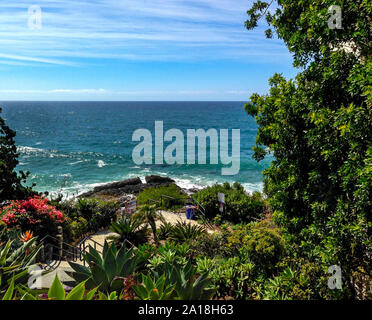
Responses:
[184,231]
[164,230]
[150,289]
[131,229]
[182,249]
[188,284]
[57,292]
[107,271]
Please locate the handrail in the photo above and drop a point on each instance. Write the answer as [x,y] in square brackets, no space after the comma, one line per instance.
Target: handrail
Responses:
[53,238]
[63,250]
[89,238]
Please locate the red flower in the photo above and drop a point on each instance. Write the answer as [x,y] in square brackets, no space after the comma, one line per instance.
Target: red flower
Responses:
[35,210]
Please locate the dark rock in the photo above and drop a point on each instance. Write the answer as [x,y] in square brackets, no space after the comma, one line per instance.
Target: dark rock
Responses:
[158,180]
[131,186]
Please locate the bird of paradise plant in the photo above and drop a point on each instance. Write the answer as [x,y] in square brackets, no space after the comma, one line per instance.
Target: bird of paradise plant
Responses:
[27,236]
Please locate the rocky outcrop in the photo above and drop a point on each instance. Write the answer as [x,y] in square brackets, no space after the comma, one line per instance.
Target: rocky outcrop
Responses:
[158,180]
[130,186]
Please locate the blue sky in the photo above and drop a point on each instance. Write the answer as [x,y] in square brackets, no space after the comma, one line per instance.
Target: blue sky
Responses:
[135,50]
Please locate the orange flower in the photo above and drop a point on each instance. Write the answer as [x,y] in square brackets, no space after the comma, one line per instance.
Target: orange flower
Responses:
[27,236]
[155,290]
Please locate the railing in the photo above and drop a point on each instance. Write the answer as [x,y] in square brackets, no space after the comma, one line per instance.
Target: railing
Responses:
[54,250]
[82,245]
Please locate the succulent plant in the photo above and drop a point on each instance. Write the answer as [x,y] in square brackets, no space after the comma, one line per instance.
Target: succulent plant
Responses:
[109,270]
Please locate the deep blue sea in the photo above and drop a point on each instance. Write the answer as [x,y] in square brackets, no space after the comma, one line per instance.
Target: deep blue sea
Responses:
[74,146]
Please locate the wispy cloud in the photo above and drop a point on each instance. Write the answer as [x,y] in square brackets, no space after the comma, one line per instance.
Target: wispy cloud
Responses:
[32,59]
[131,30]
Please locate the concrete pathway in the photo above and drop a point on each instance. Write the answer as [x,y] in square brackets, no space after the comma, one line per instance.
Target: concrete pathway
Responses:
[99,239]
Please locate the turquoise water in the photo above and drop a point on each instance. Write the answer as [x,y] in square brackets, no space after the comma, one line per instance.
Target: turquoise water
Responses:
[74,146]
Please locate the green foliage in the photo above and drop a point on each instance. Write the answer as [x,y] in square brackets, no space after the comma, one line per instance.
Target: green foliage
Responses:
[79,227]
[184,231]
[170,252]
[85,215]
[150,289]
[299,279]
[16,261]
[188,284]
[164,230]
[10,181]
[239,206]
[149,214]
[229,277]
[263,245]
[129,228]
[212,245]
[107,271]
[319,129]
[177,197]
[304,27]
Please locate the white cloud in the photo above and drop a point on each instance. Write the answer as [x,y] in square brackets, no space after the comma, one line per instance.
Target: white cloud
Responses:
[131,30]
[33,59]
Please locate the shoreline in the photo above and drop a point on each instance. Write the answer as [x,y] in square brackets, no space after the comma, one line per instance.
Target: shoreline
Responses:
[184,184]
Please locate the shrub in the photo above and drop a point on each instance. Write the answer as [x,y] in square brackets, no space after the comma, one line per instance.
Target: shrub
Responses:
[239,206]
[98,214]
[164,230]
[300,279]
[34,214]
[263,245]
[79,227]
[211,245]
[156,193]
[229,277]
[184,231]
[131,229]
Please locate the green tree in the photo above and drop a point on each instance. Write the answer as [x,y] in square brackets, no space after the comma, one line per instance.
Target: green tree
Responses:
[319,128]
[10,181]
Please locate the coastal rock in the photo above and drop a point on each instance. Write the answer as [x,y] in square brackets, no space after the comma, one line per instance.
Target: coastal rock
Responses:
[124,190]
[116,189]
[153,179]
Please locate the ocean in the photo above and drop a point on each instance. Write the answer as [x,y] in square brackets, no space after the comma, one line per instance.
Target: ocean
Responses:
[71,147]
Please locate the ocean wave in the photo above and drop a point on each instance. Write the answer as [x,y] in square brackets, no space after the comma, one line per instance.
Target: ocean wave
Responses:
[24,149]
[76,162]
[75,188]
[31,151]
[101,163]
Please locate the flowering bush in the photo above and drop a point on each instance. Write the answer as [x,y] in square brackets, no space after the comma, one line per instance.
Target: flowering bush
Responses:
[34,214]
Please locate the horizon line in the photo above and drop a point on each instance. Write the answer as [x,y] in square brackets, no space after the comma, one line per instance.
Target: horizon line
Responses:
[5,101]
